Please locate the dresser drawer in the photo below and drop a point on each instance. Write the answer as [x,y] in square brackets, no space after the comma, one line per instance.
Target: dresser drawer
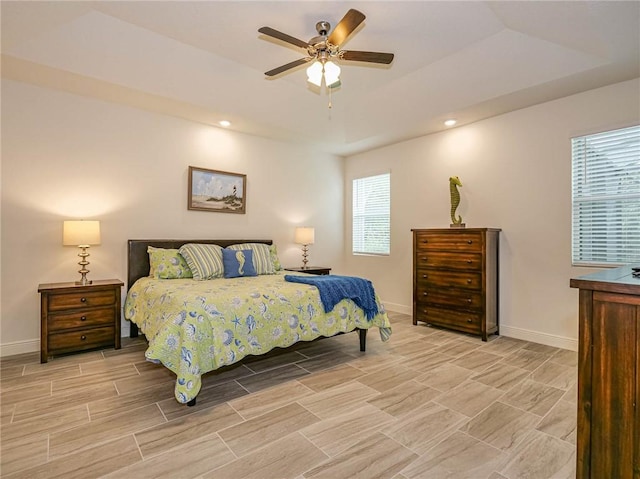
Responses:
[430,278]
[451,298]
[462,321]
[60,302]
[82,339]
[440,259]
[451,241]
[80,319]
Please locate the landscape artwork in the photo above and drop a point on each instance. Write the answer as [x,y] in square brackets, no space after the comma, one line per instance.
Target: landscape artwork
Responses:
[218,191]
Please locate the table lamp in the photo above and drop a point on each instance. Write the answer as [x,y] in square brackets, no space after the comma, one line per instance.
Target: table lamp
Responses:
[305,236]
[82,234]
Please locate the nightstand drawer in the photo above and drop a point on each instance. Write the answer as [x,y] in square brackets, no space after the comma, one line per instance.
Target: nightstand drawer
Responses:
[432,278]
[440,259]
[78,340]
[454,240]
[80,319]
[88,299]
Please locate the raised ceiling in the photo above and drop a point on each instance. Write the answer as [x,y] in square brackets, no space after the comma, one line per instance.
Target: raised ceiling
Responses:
[205,61]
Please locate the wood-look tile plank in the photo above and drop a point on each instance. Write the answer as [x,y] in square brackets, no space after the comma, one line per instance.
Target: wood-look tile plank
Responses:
[429,425]
[23,453]
[95,462]
[477,360]
[163,437]
[185,461]
[63,362]
[105,429]
[457,348]
[286,458]
[504,346]
[445,377]
[541,455]
[556,375]
[388,378]
[250,435]
[326,361]
[338,400]
[404,399]
[273,359]
[336,434]
[427,361]
[110,406]
[12,372]
[469,398]
[375,457]
[19,382]
[207,397]
[147,377]
[50,423]
[533,397]
[65,399]
[501,376]
[501,425]
[256,404]
[94,378]
[272,377]
[322,380]
[525,359]
[458,456]
[33,391]
[560,422]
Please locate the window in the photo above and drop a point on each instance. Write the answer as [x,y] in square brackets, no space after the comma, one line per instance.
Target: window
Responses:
[372,214]
[606,198]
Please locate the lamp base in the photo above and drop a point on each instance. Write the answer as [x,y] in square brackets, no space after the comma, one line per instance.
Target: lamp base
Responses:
[83,267]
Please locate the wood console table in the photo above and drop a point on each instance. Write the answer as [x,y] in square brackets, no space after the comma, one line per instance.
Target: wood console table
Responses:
[608,436]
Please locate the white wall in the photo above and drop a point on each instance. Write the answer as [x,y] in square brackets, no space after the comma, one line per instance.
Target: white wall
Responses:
[516,175]
[67,157]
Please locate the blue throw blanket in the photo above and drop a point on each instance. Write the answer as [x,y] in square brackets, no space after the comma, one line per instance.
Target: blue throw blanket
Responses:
[334,288]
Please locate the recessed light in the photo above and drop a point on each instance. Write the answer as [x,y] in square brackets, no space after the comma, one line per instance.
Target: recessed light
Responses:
[450,122]
[224,123]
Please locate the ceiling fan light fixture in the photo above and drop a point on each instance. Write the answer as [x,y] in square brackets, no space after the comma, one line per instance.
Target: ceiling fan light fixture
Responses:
[314,73]
[331,74]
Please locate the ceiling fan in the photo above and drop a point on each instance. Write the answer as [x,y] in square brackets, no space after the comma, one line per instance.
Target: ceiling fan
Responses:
[325,48]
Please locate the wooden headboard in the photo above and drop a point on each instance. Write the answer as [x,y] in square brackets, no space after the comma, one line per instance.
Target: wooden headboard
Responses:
[138,258]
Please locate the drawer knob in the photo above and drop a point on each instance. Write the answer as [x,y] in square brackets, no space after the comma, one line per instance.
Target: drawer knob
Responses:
[468,281]
[469,320]
[469,242]
[83,300]
[83,318]
[469,300]
[83,337]
[425,293]
[424,311]
[425,276]
[468,261]
[424,258]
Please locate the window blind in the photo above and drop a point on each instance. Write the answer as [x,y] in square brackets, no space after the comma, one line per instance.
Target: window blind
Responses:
[606,198]
[372,214]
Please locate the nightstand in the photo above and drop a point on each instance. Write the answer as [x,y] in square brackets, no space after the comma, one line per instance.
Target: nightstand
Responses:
[79,317]
[321,270]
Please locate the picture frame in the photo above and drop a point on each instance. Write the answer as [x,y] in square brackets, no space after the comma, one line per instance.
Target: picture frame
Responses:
[217,191]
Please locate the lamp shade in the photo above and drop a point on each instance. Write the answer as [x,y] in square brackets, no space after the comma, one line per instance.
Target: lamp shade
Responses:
[80,232]
[304,235]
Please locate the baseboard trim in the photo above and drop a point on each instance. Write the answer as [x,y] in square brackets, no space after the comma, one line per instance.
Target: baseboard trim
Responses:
[538,337]
[397,308]
[19,347]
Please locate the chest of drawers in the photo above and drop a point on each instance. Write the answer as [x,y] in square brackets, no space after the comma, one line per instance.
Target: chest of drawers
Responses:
[76,318]
[455,279]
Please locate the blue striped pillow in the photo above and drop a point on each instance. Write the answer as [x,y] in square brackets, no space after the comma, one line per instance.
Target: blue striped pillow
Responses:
[204,260]
[261,256]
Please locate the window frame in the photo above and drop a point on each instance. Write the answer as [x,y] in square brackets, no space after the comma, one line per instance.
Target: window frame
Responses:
[355,218]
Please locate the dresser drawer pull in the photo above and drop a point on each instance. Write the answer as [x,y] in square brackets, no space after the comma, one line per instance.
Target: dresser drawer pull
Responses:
[424,311]
[424,258]
[83,337]
[469,242]
[83,300]
[468,261]
[425,294]
[469,300]
[425,276]
[469,320]
[468,281]
[83,318]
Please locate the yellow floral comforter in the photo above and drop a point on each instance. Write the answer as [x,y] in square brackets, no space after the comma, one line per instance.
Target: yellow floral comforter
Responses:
[194,327]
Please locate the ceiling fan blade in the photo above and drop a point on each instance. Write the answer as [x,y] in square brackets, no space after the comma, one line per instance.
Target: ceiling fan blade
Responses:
[283,36]
[347,25]
[288,66]
[371,57]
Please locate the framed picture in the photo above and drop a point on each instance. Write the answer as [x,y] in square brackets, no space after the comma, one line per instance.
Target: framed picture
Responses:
[219,191]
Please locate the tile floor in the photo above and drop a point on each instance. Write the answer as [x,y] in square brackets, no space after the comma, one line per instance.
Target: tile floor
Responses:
[429,403]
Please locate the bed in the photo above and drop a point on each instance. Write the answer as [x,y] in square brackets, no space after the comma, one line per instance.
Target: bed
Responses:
[194,327]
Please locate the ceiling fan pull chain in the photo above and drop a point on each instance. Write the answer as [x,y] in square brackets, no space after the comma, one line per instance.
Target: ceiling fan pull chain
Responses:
[330,105]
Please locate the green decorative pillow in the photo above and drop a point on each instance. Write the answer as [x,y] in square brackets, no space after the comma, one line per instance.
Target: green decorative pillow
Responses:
[238,263]
[204,260]
[167,264]
[273,250]
[261,256]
